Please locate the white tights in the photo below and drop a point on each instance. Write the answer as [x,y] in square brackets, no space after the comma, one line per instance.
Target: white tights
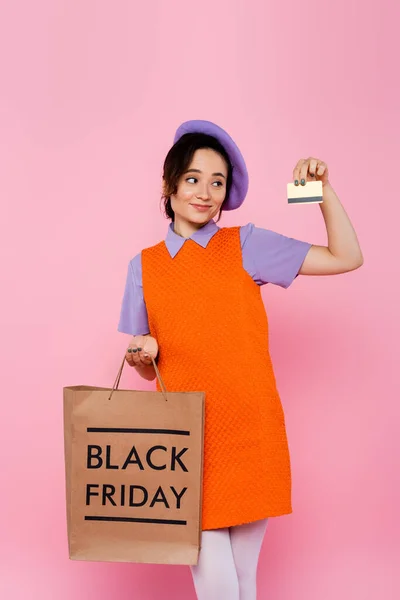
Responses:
[227,566]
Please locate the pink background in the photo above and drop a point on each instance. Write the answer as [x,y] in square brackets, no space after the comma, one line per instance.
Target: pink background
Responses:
[91,94]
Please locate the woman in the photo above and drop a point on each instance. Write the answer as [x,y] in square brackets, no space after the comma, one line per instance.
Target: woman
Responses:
[194,302]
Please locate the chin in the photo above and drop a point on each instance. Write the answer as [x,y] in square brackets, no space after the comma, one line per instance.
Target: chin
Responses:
[200,218]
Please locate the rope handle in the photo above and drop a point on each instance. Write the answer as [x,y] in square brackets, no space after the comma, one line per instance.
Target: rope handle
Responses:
[118,378]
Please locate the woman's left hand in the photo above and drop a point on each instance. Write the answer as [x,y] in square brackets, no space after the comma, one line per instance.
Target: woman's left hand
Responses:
[310,169]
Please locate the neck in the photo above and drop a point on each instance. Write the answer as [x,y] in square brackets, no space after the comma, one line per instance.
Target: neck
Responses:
[185,228]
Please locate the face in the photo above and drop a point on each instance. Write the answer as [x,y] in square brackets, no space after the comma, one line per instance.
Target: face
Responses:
[201,190]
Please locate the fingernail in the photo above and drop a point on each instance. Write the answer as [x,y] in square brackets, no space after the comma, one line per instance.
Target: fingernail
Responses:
[134,350]
[139,349]
[303,182]
[129,349]
[312,174]
[296,182]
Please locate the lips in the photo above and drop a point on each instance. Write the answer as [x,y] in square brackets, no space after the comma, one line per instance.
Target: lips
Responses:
[200,205]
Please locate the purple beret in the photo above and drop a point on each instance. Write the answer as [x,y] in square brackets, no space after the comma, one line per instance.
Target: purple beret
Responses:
[240,177]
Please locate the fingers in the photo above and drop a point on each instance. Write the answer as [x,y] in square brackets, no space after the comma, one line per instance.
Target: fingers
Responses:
[312,167]
[304,172]
[136,354]
[144,351]
[308,170]
[297,172]
[144,357]
[316,167]
[131,355]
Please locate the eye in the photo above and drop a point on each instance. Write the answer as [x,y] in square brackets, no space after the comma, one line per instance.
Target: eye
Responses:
[195,180]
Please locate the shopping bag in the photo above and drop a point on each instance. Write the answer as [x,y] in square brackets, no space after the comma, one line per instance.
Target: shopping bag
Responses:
[134,469]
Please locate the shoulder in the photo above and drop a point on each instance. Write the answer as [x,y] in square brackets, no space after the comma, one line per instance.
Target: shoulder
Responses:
[232,230]
[250,233]
[135,269]
[154,249]
[246,232]
[136,262]
[253,235]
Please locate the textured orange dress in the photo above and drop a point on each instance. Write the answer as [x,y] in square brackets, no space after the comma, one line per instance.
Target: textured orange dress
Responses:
[208,317]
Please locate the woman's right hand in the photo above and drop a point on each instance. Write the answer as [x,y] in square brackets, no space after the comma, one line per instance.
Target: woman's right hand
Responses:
[140,351]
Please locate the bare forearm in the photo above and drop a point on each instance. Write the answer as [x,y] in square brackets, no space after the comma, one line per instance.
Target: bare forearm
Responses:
[342,238]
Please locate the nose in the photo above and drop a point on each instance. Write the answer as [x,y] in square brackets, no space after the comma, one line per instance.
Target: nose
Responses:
[203,192]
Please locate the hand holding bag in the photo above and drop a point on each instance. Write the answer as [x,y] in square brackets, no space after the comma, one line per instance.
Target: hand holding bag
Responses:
[134,468]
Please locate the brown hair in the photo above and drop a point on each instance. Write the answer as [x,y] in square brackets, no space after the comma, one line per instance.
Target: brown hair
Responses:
[178,160]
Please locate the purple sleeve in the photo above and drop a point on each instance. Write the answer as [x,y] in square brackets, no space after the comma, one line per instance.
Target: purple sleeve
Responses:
[271,257]
[133,317]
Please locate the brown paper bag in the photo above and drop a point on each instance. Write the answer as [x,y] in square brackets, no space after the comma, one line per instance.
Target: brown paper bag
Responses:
[134,469]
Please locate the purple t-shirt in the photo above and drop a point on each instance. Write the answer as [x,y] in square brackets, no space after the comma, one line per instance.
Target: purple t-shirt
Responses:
[268,257]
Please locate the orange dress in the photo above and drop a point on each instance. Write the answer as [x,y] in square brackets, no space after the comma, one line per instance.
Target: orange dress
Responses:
[208,317]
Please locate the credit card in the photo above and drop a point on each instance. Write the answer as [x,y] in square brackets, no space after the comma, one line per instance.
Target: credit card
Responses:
[311,193]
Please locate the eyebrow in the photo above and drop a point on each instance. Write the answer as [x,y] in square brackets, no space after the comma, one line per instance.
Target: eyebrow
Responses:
[198,171]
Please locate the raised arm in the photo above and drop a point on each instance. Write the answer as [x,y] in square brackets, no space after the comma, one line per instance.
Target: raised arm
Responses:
[343,252]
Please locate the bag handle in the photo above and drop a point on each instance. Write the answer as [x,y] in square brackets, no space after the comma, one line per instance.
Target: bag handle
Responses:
[118,378]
